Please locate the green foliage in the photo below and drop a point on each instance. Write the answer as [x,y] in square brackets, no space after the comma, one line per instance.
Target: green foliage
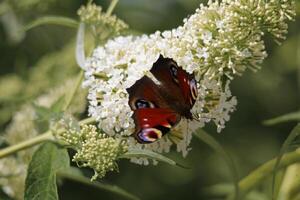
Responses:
[48,60]
[223,189]
[215,145]
[12,25]
[284,148]
[41,177]
[44,113]
[76,175]
[257,176]
[56,67]
[56,20]
[294,116]
[47,115]
[30,5]
[10,88]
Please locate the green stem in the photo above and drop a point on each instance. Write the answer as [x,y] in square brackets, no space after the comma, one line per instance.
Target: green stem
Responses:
[73,91]
[89,120]
[26,144]
[295,191]
[111,7]
[259,175]
[288,182]
[35,141]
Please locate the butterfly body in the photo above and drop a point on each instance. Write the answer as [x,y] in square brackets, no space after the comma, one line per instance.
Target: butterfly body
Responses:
[159,104]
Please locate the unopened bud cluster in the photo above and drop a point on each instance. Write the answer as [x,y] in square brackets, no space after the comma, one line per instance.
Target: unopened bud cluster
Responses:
[93,149]
[103,24]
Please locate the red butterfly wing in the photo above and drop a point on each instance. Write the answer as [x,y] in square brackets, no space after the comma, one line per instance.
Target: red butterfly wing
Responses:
[145,93]
[152,115]
[188,86]
[159,106]
[179,87]
[153,123]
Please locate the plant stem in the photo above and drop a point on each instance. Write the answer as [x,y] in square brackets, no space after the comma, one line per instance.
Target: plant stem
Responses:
[36,140]
[259,175]
[26,144]
[89,120]
[73,91]
[111,7]
[290,179]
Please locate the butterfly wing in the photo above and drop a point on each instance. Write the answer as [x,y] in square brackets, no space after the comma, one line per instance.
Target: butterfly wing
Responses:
[179,86]
[145,94]
[153,123]
[188,86]
[152,115]
[159,105]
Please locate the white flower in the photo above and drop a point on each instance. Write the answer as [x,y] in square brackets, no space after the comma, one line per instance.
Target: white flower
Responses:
[206,37]
[202,53]
[219,24]
[216,43]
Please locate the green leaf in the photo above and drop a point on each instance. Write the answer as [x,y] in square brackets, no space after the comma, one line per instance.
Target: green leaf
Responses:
[56,20]
[259,175]
[57,106]
[133,153]
[214,144]
[294,116]
[42,113]
[75,174]
[284,148]
[41,175]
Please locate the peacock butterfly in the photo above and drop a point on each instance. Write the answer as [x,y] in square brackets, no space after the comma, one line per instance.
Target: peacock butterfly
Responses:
[160,102]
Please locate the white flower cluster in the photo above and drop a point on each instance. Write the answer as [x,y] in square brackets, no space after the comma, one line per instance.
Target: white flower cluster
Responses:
[217,42]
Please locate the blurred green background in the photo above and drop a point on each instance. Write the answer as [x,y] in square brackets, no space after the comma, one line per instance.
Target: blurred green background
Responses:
[272,91]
